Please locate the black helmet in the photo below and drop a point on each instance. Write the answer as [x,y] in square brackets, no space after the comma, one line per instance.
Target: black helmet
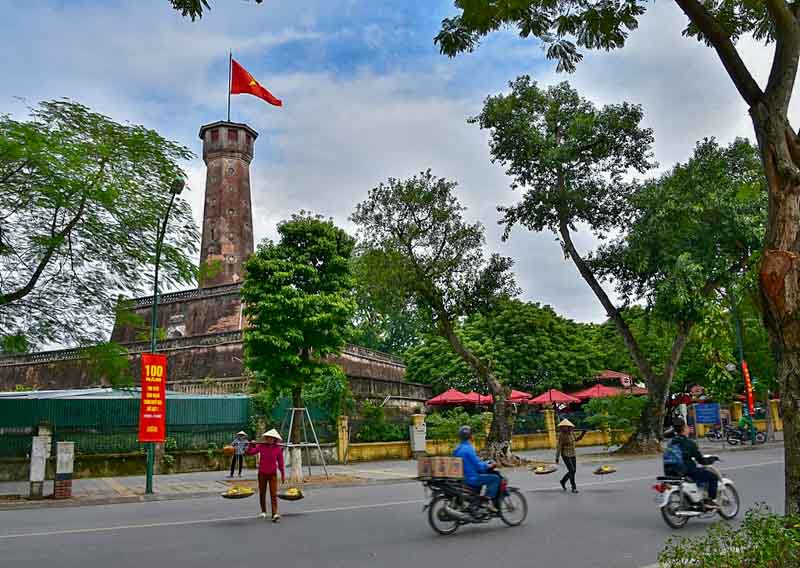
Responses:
[465,432]
[679,424]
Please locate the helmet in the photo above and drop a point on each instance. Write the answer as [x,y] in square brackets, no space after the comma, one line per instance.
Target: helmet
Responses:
[465,432]
[679,423]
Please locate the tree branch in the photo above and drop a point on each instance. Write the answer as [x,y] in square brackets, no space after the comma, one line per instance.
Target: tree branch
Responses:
[722,43]
[613,313]
[51,249]
[677,350]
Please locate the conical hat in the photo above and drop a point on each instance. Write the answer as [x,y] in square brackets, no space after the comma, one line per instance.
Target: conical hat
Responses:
[272,434]
[241,433]
[566,422]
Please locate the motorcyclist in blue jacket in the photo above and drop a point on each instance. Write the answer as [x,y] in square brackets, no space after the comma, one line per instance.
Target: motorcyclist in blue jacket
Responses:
[476,471]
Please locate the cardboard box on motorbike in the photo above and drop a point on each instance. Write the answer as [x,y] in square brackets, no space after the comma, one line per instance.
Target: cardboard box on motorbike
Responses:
[440,467]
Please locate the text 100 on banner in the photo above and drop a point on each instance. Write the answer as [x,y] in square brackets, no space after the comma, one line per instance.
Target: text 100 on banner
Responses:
[153,407]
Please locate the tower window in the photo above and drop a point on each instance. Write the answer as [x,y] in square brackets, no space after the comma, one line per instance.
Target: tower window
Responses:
[231,259]
[231,211]
[214,135]
[233,136]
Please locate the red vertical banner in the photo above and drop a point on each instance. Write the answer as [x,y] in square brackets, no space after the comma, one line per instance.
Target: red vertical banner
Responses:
[153,406]
[748,385]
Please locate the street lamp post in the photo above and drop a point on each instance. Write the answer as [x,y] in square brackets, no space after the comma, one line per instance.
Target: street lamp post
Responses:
[175,190]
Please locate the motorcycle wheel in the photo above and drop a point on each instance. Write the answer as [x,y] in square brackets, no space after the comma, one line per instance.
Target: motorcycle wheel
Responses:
[513,508]
[761,437]
[734,439]
[669,510]
[728,502]
[438,518]
[713,435]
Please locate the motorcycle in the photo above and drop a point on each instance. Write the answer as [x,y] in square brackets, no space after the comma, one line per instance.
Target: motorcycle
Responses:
[681,498]
[453,504]
[717,434]
[740,436]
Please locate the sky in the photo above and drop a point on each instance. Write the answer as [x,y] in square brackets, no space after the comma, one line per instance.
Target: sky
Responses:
[366,97]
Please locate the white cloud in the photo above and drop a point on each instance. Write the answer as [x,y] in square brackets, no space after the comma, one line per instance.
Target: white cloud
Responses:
[340,134]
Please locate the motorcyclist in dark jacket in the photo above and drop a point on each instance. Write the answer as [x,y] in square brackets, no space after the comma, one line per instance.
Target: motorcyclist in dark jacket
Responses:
[692,457]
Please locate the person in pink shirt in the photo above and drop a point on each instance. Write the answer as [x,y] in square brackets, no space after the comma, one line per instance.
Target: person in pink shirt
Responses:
[270,462]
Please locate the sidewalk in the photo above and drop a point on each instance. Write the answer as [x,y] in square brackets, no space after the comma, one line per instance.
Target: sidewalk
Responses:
[107,490]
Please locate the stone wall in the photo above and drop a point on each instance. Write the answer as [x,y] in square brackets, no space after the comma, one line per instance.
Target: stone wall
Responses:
[210,364]
[203,311]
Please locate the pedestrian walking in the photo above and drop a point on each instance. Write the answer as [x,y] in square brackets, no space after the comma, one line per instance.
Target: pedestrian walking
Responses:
[565,448]
[270,462]
[239,445]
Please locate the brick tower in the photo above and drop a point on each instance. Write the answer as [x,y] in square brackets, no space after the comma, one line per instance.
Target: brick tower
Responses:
[227,216]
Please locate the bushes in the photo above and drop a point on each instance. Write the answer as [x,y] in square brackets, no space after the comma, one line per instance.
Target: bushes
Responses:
[764,540]
[375,428]
[619,414]
[445,425]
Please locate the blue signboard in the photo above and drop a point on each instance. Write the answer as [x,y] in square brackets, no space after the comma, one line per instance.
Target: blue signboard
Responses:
[707,413]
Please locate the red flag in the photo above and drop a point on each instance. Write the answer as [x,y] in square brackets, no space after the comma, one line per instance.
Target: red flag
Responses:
[242,82]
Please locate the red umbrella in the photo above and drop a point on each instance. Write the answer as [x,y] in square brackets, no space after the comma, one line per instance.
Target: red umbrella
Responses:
[450,396]
[519,396]
[598,391]
[554,396]
[475,398]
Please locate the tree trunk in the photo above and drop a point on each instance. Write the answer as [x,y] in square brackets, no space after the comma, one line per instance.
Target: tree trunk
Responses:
[647,437]
[498,445]
[648,434]
[296,476]
[779,275]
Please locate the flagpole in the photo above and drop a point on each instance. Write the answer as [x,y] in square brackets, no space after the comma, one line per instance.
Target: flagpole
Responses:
[230,78]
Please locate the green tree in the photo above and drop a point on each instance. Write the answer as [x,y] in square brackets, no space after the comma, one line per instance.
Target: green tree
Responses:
[669,258]
[430,253]
[81,197]
[570,158]
[385,322]
[527,345]
[566,26]
[299,307]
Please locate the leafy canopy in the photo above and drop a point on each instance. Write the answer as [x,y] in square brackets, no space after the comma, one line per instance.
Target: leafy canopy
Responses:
[298,304]
[566,26]
[567,155]
[421,248]
[528,346]
[692,231]
[81,198]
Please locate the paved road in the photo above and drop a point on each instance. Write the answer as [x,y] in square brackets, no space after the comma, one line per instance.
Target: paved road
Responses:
[613,522]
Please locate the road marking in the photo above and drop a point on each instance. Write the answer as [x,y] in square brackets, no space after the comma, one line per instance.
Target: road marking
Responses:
[322,510]
[208,521]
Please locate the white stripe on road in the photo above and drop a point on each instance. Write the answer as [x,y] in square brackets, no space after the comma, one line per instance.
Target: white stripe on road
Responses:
[324,510]
[206,521]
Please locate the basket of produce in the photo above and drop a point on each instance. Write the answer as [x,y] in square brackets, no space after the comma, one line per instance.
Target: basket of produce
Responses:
[544,469]
[605,470]
[228,450]
[238,492]
[291,494]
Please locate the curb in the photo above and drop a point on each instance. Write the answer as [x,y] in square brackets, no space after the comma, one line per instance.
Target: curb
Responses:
[21,503]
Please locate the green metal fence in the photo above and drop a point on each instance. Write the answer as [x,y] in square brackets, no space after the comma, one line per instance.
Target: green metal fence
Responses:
[109,425]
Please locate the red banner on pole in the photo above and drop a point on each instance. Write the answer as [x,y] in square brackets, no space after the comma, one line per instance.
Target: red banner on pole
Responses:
[748,385]
[153,407]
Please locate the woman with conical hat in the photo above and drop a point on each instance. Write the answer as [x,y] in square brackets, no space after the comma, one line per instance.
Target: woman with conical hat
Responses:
[565,448]
[270,462]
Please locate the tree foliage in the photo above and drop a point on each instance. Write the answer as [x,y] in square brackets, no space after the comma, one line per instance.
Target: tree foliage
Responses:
[298,303]
[528,346]
[81,198]
[385,320]
[421,248]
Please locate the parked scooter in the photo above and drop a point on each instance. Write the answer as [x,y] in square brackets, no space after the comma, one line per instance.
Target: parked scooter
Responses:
[681,498]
